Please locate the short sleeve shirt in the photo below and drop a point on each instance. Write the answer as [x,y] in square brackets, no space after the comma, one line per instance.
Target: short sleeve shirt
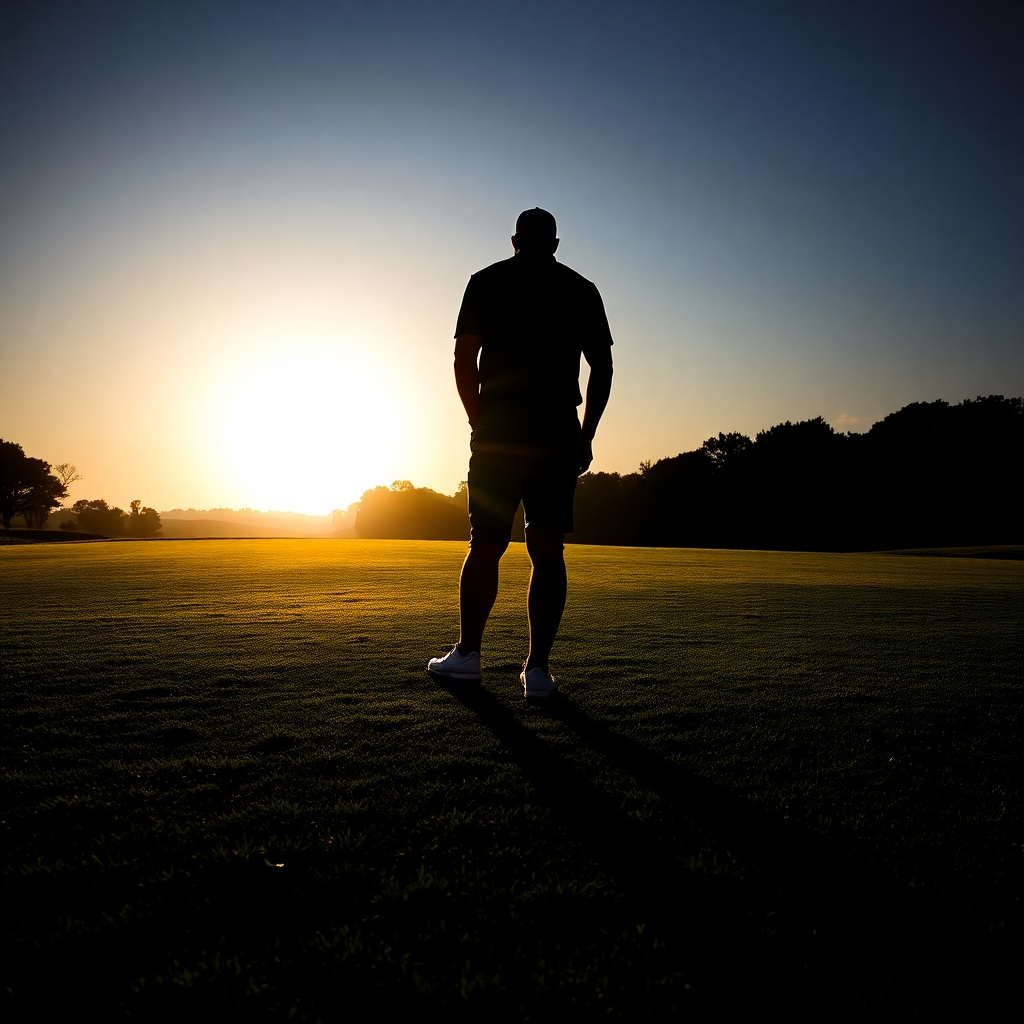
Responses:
[536,317]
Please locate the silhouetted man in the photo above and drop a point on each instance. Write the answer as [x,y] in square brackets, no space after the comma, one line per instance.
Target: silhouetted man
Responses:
[528,318]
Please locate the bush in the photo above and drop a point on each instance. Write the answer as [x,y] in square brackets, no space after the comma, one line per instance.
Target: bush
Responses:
[404,512]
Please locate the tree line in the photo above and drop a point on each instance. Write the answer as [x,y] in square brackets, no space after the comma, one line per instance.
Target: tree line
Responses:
[930,475]
[96,516]
[31,489]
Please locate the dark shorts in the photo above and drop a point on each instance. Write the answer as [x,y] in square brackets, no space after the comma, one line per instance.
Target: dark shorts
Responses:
[538,467]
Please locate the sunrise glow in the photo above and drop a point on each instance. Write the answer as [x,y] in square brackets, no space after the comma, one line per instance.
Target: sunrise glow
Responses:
[305,430]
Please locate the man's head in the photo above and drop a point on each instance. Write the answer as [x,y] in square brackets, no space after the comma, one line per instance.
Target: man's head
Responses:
[535,233]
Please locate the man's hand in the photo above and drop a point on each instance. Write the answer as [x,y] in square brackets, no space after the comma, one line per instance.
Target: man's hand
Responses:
[586,454]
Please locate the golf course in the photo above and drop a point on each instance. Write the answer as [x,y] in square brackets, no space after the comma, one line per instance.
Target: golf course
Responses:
[770,782]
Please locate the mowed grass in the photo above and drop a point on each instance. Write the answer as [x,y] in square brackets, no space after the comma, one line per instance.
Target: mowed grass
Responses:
[771,780]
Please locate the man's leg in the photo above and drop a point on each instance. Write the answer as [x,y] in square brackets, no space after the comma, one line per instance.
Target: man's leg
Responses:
[478,587]
[547,593]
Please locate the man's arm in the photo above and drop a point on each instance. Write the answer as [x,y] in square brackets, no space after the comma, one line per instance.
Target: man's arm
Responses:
[599,387]
[467,375]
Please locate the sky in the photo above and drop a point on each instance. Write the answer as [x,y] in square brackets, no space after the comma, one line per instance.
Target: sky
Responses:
[234,236]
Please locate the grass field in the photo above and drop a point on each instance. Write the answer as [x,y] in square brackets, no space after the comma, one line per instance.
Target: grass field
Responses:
[773,780]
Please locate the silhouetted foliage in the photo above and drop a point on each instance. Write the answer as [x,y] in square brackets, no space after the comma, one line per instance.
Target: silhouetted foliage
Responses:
[606,505]
[403,511]
[67,473]
[27,487]
[930,475]
[96,516]
[142,521]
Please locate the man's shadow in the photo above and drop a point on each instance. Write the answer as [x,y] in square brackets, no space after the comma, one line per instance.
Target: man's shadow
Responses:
[847,919]
[726,819]
[624,846]
[650,874]
[765,839]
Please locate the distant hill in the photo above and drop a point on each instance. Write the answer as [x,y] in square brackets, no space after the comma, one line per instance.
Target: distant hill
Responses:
[219,528]
[247,522]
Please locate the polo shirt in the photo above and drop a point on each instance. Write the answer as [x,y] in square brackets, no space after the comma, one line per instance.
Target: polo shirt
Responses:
[536,317]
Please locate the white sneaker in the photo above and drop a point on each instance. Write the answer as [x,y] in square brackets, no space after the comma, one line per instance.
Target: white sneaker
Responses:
[537,683]
[457,666]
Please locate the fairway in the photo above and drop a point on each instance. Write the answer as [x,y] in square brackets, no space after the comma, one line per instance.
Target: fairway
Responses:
[771,779]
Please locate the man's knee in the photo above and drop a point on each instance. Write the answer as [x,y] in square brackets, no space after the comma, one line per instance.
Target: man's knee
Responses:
[545,547]
[487,551]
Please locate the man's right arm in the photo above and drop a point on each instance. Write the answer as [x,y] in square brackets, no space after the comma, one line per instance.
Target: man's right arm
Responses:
[599,387]
[467,374]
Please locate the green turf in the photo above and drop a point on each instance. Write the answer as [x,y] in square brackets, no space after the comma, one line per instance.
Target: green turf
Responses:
[773,779]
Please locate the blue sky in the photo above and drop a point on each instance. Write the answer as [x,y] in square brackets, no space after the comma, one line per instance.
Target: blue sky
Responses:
[791,209]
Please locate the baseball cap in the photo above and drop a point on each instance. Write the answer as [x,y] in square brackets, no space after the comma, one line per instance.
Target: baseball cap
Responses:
[535,224]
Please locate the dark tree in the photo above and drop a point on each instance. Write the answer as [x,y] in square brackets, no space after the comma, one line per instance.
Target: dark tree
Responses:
[793,485]
[66,472]
[412,513]
[725,451]
[606,508]
[42,500]
[143,521]
[27,487]
[943,474]
[96,516]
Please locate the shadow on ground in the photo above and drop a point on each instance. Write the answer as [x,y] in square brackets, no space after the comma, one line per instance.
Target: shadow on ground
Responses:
[852,939]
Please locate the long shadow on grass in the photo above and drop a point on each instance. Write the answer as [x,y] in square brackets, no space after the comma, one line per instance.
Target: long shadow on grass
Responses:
[840,931]
[704,919]
[816,879]
[905,944]
[624,846]
[790,851]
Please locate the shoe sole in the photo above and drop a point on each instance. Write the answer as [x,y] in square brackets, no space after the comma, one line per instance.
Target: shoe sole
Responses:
[462,677]
[537,694]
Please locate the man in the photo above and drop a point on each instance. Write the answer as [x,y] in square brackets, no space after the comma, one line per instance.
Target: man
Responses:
[528,318]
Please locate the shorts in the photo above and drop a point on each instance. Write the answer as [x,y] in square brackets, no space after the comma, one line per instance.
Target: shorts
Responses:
[506,469]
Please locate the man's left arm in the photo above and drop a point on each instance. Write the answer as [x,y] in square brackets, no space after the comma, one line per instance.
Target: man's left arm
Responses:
[599,387]
[467,374]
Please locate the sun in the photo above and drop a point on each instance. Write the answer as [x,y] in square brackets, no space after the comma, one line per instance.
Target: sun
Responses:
[306,431]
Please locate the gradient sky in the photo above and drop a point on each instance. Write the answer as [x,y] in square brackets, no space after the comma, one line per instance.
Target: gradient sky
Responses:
[234,237]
